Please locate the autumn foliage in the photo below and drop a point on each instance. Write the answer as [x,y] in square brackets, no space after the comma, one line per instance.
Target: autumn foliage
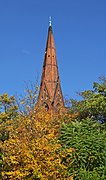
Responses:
[33,150]
[69,145]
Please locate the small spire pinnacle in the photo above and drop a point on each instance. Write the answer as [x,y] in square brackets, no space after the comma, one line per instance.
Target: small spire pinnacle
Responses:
[50,21]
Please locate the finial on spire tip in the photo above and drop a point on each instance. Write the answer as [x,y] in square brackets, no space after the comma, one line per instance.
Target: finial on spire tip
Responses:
[50,21]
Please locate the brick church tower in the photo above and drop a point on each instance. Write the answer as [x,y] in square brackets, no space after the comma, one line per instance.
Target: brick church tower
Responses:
[50,95]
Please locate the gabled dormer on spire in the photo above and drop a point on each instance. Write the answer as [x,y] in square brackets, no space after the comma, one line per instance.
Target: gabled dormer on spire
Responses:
[50,94]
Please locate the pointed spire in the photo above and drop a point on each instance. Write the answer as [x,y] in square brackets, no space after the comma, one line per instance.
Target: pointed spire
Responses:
[50,38]
[50,90]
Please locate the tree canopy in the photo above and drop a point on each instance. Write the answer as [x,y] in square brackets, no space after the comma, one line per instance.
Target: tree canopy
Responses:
[41,145]
[86,134]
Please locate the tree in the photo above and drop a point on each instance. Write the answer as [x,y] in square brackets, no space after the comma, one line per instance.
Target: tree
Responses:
[87,138]
[33,150]
[27,103]
[93,103]
[8,107]
[86,135]
[8,112]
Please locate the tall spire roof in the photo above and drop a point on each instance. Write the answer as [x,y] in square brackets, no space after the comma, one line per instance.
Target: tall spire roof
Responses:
[50,39]
[50,91]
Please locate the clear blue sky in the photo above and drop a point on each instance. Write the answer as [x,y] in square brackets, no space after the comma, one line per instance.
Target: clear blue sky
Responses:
[79,28]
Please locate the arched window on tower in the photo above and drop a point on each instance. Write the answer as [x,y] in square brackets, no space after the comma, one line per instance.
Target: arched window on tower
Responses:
[45,105]
[52,103]
[58,106]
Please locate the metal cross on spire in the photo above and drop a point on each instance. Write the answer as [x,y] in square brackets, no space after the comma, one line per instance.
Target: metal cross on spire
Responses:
[50,21]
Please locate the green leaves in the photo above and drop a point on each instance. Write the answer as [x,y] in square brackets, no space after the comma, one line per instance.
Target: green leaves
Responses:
[87,134]
[9,111]
[8,107]
[93,103]
[89,143]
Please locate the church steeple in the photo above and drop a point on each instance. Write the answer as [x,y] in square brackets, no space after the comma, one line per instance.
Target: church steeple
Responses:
[50,94]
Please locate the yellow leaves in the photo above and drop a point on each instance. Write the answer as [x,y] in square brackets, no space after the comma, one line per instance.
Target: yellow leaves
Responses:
[33,149]
[70,178]
[13,159]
